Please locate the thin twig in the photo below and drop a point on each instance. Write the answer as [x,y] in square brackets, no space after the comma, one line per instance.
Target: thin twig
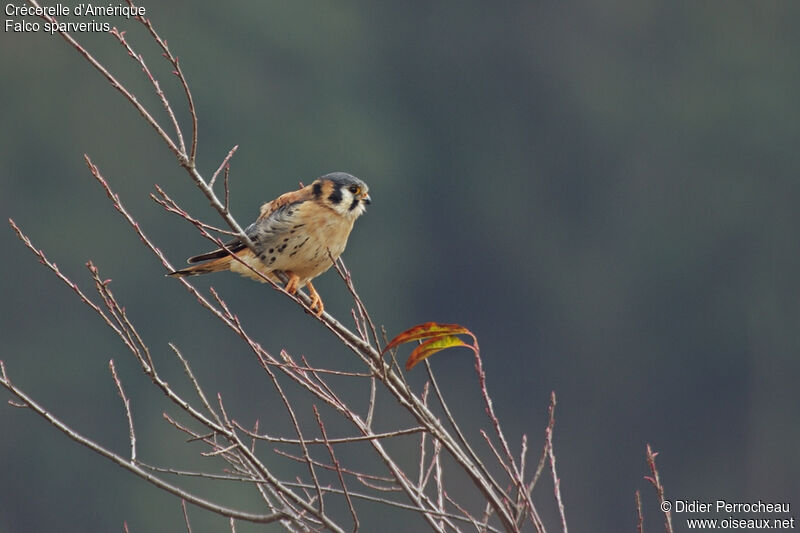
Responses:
[120,35]
[222,166]
[542,459]
[482,527]
[556,481]
[342,270]
[523,463]
[172,207]
[439,476]
[186,516]
[487,400]
[331,468]
[639,516]
[227,188]
[655,480]
[203,475]
[181,77]
[141,351]
[337,467]
[422,440]
[453,424]
[341,440]
[127,403]
[188,370]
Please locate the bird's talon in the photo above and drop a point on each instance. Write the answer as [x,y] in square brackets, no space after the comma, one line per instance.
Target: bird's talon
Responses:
[316,301]
[291,285]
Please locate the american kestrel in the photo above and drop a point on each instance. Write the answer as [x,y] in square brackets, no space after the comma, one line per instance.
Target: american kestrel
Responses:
[294,234]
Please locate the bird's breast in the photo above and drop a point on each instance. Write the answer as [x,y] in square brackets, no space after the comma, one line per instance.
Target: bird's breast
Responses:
[304,248]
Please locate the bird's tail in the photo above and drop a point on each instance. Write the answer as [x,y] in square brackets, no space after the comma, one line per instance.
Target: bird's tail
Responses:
[217,265]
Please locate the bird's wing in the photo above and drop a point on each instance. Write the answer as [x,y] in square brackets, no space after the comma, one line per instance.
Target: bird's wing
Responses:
[277,227]
[292,197]
[276,219]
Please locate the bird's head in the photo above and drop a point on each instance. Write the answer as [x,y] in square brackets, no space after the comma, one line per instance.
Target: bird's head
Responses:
[345,194]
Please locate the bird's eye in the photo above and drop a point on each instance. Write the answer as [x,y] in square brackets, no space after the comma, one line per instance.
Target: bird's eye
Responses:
[354,189]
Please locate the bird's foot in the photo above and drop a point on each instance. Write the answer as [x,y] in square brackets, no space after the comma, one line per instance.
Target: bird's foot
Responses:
[291,285]
[316,301]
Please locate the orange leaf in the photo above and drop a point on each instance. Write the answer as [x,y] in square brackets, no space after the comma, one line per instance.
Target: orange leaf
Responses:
[426,330]
[431,346]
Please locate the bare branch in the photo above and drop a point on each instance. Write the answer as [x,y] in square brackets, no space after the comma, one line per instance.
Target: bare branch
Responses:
[179,73]
[130,466]
[398,505]
[223,166]
[127,403]
[655,480]
[186,516]
[300,505]
[114,83]
[341,440]
[639,516]
[172,207]
[335,463]
[120,35]
[195,383]
[556,481]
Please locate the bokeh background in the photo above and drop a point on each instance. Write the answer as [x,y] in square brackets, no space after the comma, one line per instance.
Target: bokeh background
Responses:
[606,194]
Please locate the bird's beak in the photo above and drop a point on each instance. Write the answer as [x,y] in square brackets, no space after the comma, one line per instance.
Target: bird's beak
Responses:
[366,199]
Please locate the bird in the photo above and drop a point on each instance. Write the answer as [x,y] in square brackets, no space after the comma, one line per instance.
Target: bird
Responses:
[299,233]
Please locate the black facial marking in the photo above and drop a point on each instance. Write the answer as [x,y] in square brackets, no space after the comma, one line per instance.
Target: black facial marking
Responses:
[292,254]
[286,239]
[271,259]
[317,190]
[263,256]
[336,195]
[353,204]
[281,248]
[298,226]
[271,250]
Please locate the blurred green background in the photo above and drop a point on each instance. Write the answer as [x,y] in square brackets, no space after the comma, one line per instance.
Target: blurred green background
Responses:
[606,194]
